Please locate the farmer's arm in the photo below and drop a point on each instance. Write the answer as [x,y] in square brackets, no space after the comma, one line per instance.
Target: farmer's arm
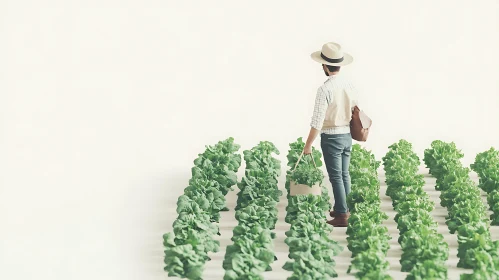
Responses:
[317,119]
[354,96]
[311,137]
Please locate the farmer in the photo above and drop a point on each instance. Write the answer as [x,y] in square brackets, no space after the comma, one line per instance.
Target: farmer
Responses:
[334,104]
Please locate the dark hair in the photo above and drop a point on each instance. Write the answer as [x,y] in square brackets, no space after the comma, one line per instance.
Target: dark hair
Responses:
[333,68]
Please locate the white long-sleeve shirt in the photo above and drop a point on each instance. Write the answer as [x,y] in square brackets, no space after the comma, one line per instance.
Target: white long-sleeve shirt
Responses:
[324,97]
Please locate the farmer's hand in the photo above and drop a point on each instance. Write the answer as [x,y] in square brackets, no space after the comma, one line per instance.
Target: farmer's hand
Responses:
[311,137]
[307,150]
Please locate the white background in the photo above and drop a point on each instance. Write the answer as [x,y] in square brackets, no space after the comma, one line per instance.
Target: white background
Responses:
[105,104]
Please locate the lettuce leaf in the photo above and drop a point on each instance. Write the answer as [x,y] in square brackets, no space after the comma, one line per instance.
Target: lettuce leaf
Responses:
[421,244]
[367,262]
[256,212]
[428,269]
[192,238]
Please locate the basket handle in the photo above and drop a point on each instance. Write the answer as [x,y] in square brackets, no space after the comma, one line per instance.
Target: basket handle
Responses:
[301,155]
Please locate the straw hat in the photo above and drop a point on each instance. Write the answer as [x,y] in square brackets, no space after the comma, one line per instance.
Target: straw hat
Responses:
[331,54]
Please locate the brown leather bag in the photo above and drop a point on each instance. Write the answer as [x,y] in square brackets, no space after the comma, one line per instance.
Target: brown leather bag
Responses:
[358,131]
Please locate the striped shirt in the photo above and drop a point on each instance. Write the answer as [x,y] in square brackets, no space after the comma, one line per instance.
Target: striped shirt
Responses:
[325,96]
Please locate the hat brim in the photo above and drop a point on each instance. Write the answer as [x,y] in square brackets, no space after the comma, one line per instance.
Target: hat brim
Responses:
[347,59]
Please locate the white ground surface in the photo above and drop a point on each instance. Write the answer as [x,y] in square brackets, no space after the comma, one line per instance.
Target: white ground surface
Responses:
[214,267]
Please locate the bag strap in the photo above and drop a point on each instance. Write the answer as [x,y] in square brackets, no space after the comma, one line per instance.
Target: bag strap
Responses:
[301,155]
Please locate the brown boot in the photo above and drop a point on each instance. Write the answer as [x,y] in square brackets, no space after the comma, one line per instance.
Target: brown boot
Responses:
[341,220]
[333,214]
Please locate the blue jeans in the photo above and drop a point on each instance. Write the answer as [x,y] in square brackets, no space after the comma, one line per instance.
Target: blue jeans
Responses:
[336,149]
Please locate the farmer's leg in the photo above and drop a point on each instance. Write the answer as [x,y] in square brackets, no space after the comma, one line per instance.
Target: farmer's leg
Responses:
[332,149]
[345,157]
